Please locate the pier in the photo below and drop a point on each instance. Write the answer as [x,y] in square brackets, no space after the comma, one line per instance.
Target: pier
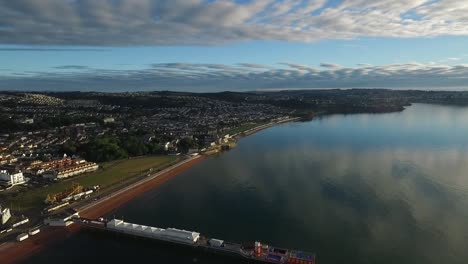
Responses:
[258,252]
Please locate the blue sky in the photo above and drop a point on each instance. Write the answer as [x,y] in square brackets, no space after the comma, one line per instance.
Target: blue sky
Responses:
[376,51]
[162,44]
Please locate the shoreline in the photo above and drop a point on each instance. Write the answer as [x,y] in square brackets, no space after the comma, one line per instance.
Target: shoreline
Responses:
[16,252]
[122,196]
[256,129]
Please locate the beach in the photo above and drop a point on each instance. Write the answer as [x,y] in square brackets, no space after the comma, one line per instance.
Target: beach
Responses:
[122,196]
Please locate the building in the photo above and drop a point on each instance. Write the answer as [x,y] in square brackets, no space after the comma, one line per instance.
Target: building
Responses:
[192,151]
[170,234]
[63,168]
[167,146]
[10,179]
[70,171]
[27,121]
[62,219]
[7,159]
[5,215]
[108,120]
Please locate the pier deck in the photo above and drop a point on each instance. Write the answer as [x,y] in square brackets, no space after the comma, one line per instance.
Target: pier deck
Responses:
[257,251]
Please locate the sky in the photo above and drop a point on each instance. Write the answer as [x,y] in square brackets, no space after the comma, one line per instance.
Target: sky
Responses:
[236,45]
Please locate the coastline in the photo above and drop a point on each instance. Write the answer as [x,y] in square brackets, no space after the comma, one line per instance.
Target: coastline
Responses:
[265,126]
[16,252]
[122,196]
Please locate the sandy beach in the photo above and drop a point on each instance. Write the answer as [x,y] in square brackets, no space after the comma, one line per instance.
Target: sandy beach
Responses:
[15,252]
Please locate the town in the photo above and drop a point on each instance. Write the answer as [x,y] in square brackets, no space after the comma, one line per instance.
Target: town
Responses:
[51,145]
[58,149]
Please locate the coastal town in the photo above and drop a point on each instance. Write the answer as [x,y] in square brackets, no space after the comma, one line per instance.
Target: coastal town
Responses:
[234,131]
[61,153]
[54,148]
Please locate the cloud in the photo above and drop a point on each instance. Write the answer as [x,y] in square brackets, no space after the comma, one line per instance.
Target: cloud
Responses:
[451,59]
[203,22]
[345,187]
[71,67]
[255,66]
[50,49]
[240,77]
[330,65]
[299,66]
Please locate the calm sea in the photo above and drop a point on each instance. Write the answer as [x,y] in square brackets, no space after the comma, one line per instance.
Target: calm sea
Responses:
[363,188]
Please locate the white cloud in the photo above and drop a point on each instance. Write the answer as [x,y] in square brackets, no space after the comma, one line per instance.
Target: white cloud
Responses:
[300,67]
[255,66]
[241,76]
[451,59]
[330,65]
[200,22]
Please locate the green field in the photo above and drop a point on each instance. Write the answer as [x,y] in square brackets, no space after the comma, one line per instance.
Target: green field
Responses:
[110,173]
[245,127]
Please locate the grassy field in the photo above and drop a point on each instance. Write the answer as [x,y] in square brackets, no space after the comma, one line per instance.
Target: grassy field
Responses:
[110,173]
[244,128]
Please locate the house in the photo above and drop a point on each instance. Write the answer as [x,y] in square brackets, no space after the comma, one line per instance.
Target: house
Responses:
[108,120]
[26,121]
[167,146]
[5,215]
[69,169]
[10,179]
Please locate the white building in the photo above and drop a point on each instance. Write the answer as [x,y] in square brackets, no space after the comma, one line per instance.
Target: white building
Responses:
[192,151]
[167,146]
[5,215]
[170,234]
[8,179]
[69,171]
[27,121]
[108,120]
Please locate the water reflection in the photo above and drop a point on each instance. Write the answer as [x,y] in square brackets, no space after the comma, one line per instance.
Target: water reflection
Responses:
[387,188]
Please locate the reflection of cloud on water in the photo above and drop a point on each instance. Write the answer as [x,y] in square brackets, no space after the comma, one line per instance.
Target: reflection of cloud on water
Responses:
[357,187]
[410,200]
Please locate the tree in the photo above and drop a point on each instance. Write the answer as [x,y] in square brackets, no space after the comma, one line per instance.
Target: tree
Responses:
[134,146]
[155,148]
[104,149]
[185,144]
[69,148]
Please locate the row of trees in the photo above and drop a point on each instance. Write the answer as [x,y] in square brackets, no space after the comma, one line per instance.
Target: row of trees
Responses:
[112,148]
